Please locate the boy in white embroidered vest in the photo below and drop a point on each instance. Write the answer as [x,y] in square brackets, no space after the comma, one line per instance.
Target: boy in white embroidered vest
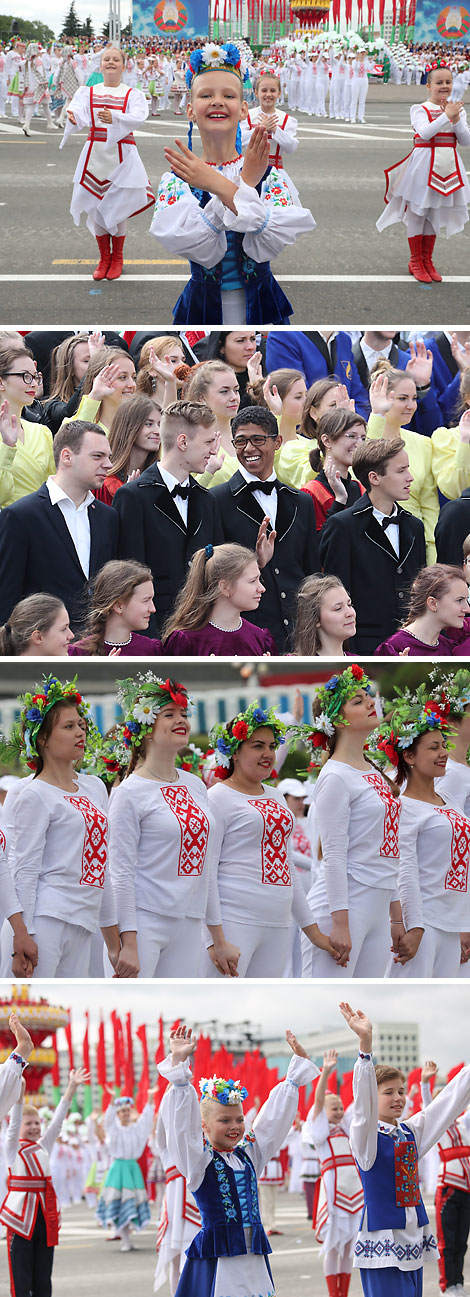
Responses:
[338,1205]
[394,1238]
[453,1203]
[429,190]
[281,127]
[30,1210]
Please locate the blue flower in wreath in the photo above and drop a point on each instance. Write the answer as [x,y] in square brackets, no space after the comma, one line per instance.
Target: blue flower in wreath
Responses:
[223,747]
[133,726]
[331,684]
[33,714]
[259,716]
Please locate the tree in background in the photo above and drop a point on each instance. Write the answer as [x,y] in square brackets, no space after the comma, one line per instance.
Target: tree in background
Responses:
[72,25]
[28,31]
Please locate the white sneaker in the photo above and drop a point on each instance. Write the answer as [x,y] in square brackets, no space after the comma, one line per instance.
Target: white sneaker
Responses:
[125,1247]
[26,129]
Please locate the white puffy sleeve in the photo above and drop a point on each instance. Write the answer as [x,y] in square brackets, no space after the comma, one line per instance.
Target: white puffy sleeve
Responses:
[182,1119]
[421,124]
[286,136]
[430,1124]
[11,1073]
[80,107]
[272,1125]
[363,1129]
[270,221]
[184,227]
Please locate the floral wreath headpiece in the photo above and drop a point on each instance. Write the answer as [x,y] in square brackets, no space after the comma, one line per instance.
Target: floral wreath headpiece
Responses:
[226,1092]
[411,717]
[141,700]
[332,696]
[222,58]
[34,709]
[192,759]
[243,726]
[451,688]
[436,64]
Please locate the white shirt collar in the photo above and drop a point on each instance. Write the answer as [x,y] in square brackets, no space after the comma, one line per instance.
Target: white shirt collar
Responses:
[251,477]
[56,494]
[372,351]
[171,481]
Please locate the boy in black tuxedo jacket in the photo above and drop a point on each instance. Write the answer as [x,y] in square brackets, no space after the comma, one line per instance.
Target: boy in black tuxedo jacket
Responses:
[376,547]
[254,499]
[164,515]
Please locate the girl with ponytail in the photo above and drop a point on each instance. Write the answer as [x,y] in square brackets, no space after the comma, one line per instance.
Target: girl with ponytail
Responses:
[221,584]
[121,607]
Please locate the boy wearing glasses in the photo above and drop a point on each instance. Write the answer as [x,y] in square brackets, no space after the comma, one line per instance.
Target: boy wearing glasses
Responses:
[254,498]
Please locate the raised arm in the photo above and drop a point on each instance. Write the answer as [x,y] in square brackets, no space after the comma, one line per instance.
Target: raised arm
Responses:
[182,1116]
[363,1129]
[272,1125]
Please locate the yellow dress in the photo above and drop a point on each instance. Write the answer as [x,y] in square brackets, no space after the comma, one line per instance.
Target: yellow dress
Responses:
[423,501]
[292,463]
[24,467]
[88,410]
[450,462]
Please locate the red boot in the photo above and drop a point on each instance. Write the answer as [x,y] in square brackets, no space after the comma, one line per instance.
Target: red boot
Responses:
[115,269]
[104,244]
[416,265]
[344,1281]
[332,1284]
[428,249]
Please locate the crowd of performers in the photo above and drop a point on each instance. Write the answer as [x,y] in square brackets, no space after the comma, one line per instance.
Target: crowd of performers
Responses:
[201,864]
[238,209]
[220,493]
[361,1155]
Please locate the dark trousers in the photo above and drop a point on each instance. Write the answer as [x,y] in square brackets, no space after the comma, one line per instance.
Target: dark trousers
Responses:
[453,1224]
[31,1262]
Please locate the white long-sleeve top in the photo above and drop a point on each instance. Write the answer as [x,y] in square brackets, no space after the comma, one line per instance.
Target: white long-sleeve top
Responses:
[269,222]
[440,125]
[271,1127]
[11,1073]
[357,819]
[127,1141]
[257,879]
[285,133]
[161,849]
[58,853]
[455,785]
[433,882]
[407,1247]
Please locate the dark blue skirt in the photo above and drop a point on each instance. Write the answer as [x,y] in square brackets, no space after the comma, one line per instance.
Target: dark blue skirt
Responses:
[198,1277]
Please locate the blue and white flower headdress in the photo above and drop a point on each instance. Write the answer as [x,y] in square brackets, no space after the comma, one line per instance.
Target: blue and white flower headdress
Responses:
[223,58]
[222,1091]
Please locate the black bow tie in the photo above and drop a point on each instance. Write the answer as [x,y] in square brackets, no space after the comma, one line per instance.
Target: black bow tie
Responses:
[265,487]
[183,491]
[387,522]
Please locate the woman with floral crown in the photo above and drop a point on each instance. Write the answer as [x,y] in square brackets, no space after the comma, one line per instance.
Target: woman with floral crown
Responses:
[224,206]
[59,829]
[431,920]
[356,816]
[221,1164]
[161,839]
[258,884]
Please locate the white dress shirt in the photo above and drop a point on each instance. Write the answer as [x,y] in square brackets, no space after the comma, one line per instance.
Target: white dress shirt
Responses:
[171,482]
[393,531]
[268,503]
[371,356]
[77,520]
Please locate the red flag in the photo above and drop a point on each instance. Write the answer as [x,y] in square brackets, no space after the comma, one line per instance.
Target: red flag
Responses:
[332,1082]
[68,1037]
[129,1067]
[370,11]
[86,1047]
[346,1089]
[159,1054]
[381,11]
[454,1070]
[144,1082]
[118,1049]
[55,1076]
[101,1067]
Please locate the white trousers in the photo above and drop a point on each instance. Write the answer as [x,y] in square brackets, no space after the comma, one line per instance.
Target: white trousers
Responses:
[359,88]
[64,948]
[438,955]
[167,946]
[268,1203]
[234,306]
[263,950]
[369,925]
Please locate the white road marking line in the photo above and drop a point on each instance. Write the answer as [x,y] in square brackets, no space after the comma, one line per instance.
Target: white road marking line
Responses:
[286,279]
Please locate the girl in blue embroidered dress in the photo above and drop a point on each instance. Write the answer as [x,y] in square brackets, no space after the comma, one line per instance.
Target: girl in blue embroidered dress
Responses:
[222,206]
[221,1165]
[394,1238]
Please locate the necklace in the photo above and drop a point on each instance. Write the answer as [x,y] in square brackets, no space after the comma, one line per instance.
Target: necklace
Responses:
[160,779]
[118,643]
[224,628]
[431,644]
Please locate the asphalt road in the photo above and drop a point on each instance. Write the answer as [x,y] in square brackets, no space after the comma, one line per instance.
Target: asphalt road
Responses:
[85,1262]
[342,273]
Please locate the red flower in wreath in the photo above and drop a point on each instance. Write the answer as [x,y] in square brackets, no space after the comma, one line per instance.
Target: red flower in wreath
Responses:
[240,731]
[318,740]
[221,772]
[32,763]
[111,763]
[357,672]
[39,698]
[386,746]
[176,693]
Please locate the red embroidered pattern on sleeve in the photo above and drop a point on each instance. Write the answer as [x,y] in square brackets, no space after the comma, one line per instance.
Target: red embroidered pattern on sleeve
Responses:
[95,846]
[277,827]
[456,879]
[3,841]
[392,804]
[194,830]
